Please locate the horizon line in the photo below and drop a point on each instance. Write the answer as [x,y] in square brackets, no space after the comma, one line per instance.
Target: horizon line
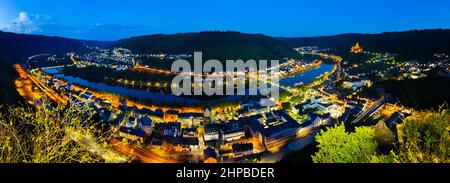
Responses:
[193,32]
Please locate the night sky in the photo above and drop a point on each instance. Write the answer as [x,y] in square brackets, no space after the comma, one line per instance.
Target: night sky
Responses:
[114,19]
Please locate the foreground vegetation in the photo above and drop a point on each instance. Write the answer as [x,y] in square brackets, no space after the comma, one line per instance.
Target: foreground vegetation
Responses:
[53,135]
[422,138]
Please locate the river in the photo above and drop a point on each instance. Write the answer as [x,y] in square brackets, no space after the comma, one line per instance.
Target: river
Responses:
[308,76]
[157,97]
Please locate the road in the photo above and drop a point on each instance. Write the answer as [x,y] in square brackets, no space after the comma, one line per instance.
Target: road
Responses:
[117,53]
[75,62]
[369,111]
[55,67]
[49,92]
[294,145]
[140,154]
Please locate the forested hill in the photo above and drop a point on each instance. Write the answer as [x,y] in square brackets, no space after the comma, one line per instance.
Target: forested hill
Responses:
[414,44]
[23,45]
[14,48]
[213,44]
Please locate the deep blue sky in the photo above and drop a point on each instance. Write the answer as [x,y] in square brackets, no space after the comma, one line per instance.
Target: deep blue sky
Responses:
[115,19]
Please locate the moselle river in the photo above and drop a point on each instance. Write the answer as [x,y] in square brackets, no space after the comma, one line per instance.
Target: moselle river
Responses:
[157,97]
[308,76]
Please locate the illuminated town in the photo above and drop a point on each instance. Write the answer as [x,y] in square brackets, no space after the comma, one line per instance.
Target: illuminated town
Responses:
[236,131]
[227,83]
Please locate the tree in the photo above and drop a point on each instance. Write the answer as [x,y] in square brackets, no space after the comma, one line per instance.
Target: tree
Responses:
[424,138]
[65,134]
[338,146]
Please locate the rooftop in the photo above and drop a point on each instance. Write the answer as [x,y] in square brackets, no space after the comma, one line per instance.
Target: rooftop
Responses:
[188,115]
[172,112]
[211,128]
[209,152]
[240,147]
[186,141]
[146,121]
[284,122]
[232,126]
[136,132]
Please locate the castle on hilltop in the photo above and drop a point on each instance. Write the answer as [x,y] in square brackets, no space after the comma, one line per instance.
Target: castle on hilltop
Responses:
[356,48]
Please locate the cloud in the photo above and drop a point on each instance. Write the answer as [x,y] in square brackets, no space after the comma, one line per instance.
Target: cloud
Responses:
[27,23]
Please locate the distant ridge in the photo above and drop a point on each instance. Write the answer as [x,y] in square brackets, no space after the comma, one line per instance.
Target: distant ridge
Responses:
[414,44]
[213,44]
[24,45]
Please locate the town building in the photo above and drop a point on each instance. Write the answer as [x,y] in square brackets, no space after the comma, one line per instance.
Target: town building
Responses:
[191,119]
[171,129]
[189,132]
[171,115]
[356,84]
[106,115]
[123,102]
[118,120]
[242,149]
[232,130]
[274,128]
[183,144]
[135,134]
[147,125]
[211,132]
[131,122]
[156,115]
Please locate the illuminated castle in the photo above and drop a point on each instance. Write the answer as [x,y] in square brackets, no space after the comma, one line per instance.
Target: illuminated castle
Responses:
[356,48]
